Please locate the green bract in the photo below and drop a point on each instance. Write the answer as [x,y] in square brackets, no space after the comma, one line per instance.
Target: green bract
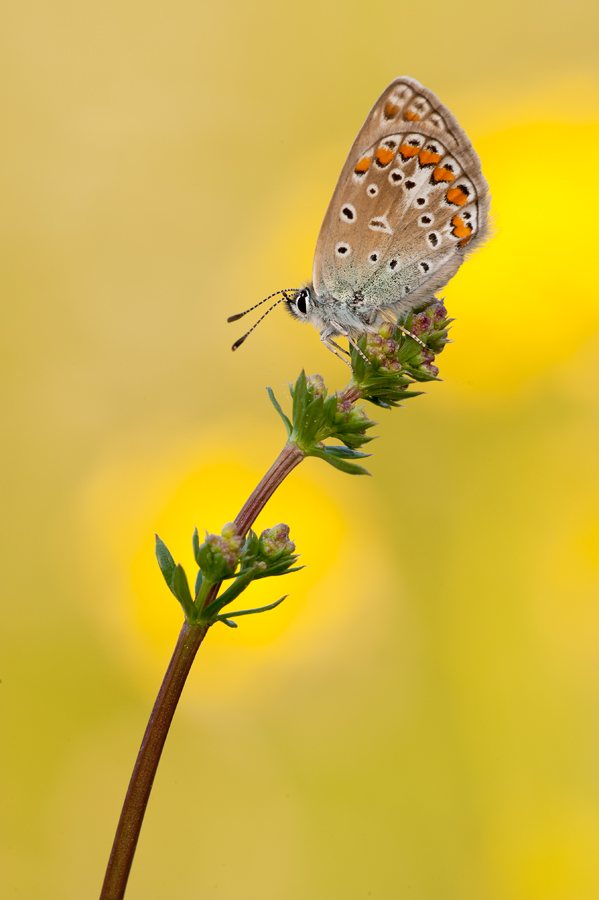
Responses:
[227,556]
[317,417]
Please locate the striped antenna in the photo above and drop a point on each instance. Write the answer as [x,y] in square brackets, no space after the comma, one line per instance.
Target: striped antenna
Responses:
[256,305]
[238,343]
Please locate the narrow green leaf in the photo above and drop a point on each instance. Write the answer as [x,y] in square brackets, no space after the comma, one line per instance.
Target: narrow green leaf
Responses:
[166,562]
[406,395]
[196,545]
[250,612]
[330,409]
[273,571]
[376,401]
[198,584]
[182,592]
[420,376]
[238,586]
[340,464]
[354,440]
[344,452]
[226,622]
[275,403]
[300,390]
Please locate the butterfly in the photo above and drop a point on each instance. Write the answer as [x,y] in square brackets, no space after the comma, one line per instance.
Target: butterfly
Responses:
[410,205]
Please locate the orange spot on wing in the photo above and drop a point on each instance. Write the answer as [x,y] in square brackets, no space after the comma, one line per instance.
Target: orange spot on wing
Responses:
[464,242]
[390,109]
[443,174]
[384,156]
[411,116]
[428,158]
[407,150]
[457,196]
[460,229]
[363,165]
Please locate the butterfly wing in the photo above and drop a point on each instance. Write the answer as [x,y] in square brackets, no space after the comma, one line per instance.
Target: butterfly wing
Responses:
[410,201]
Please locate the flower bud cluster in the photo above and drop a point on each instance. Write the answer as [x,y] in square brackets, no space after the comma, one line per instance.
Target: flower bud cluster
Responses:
[399,356]
[219,555]
[382,349]
[275,542]
[350,416]
[317,417]
[227,556]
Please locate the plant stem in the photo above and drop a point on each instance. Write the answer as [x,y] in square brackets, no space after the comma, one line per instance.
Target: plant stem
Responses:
[188,643]
[288,459]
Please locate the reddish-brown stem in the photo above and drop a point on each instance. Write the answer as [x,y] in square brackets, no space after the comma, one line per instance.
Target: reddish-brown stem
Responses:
[287,460]
[188,643]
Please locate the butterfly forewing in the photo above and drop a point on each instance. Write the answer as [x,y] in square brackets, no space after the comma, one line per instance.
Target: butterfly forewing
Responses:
[411,198]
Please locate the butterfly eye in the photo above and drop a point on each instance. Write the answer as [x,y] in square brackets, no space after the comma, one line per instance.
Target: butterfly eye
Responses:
[302,303]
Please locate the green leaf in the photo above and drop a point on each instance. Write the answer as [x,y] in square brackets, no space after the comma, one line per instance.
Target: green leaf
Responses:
[250,612]
[227,622]
[281,569]
[420,376]
[275,403]
[300,392]
[199,581]
[353,440]
[239,585]
[182,592]
[196,545]
[376,401]
[344,452]
[330,410]
[340,464]
[166,562]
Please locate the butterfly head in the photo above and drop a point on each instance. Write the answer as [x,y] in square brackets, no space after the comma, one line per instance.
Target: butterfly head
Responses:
[301,305]
[306,305]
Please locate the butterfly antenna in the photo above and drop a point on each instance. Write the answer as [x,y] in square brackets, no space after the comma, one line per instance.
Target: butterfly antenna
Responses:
[238,343]
[256,305]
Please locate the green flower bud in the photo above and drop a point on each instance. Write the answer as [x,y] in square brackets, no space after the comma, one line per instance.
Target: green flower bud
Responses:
[219,555]
[387,330]
[275,543]
[315,384]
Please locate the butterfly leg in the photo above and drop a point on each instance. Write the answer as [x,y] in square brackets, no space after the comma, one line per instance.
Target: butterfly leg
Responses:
[347,335]
[332,346]
[413,336]
[331,341]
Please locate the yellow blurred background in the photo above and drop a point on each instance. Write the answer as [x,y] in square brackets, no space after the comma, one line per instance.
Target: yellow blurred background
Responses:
[420,718]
